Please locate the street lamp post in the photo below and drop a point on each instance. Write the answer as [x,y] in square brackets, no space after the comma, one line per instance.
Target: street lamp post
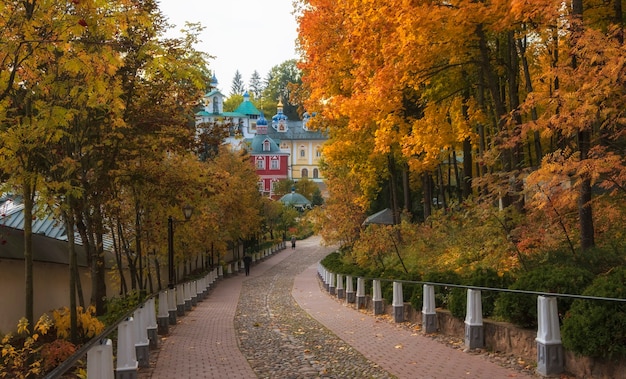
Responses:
[187,211]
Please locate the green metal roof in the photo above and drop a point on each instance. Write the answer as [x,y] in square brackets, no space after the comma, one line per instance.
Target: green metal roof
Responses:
[247,108]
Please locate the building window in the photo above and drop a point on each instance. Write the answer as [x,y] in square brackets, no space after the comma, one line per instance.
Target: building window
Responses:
[302,153]
[316,173]
[305,173]
[274,164]
[216,104]
[260,164]
[266,145]
[318,153]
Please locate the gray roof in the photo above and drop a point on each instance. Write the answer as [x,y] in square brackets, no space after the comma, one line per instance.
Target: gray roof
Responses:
[49,234]
[256,144]
[295,131]
[384,217]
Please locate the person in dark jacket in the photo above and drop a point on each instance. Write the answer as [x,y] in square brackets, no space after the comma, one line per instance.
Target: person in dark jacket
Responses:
[293,242]
[247,260]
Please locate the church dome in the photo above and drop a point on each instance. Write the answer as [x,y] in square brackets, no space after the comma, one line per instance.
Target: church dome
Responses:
[261,121]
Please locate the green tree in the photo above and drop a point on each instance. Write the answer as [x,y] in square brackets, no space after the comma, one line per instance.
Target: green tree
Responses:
[256,85]
[238,86]
[279,84]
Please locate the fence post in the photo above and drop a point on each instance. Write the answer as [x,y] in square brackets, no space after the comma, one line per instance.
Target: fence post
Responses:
[193,292]
[377,298]
[100,360]
[360,293]
[429,315]
[350,295]
[187,296]
[142,345]
[163,316]
[549,348]
[151,323]
[180,300]
[171,305]
[126,355]
[331,283]
[340,291]
[398,302]
[474,333]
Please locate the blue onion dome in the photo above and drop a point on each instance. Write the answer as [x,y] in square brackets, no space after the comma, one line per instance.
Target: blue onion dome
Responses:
[261,120]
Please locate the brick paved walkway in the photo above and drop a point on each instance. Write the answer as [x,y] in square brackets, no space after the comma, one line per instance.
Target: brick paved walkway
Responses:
[204,343]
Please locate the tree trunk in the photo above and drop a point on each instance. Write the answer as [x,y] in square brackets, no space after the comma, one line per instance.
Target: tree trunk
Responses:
[427,195]
[27,193]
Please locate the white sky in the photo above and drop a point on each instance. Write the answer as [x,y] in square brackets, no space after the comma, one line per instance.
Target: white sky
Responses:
[236,31]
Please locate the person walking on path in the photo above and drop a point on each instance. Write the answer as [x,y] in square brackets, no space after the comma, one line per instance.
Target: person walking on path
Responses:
[247,260]
[293,242]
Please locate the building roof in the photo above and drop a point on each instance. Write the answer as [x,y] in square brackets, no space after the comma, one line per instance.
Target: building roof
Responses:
[295,131]
[49,234]
[384,217]
[256,145]
[296,200]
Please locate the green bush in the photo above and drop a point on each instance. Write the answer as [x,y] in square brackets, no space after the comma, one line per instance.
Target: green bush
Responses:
[597,328]
[521,309]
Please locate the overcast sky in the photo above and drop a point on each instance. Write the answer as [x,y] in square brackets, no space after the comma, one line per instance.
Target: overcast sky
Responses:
[235,31]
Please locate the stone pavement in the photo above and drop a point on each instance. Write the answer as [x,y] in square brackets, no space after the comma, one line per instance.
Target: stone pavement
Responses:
[279,323]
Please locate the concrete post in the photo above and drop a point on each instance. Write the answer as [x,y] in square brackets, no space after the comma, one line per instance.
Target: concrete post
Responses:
[331,283]
[377,298]
[100,360]
[187,296]
[193,293]
[163,315]
[350,295]
[220,272]
[127,364]
[200,288]
[549,348]
[229,269]
[429,315]
[474,333]
[398,302]
[180,300]
[340,290]
[142,345]
[360,293]
[326,280]
[151,323]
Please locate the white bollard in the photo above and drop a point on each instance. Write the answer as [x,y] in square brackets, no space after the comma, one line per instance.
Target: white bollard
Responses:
[474,333]
[187,296]
[549,348]
[360,293]
[163,315]
[142,344]
[126,354]
[350,295]
[193,292]
[180,300]
[220,271]
[377,297]
[341,293]
[100,361]
[331,283]
[151,323]
[171,305]
[429,315]
[398,302]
